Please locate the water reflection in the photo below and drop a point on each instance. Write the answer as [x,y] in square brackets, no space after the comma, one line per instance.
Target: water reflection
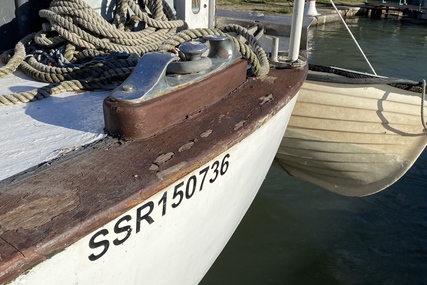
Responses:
[395,49]
[297,233]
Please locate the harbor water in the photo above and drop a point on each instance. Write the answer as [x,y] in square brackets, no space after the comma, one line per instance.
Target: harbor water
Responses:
[298,233]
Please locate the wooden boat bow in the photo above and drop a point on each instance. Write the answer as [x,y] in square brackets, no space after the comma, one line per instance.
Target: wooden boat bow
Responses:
[51,207]
[189,144]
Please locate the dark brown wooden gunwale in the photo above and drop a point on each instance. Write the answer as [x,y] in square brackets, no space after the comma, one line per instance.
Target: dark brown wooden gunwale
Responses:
[43,213]
[140,121]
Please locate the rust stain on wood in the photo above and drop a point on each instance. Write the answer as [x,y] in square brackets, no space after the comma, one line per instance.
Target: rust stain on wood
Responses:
[39,211]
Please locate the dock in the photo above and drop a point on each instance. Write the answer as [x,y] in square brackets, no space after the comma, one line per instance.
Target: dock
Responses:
[397,10]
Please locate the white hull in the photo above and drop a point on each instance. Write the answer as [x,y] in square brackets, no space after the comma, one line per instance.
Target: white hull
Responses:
[179,246]
[351,139]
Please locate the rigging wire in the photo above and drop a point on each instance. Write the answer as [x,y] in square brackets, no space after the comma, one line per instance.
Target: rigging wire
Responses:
[354,39]
[422,105]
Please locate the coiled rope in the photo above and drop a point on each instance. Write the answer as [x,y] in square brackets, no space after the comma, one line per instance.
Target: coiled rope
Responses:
[97,53]
[256,57]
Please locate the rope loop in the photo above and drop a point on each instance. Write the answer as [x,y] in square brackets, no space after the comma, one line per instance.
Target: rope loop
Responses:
[252,51]
[78,49]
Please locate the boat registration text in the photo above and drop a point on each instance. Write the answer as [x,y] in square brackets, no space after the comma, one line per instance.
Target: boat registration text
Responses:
[122,230]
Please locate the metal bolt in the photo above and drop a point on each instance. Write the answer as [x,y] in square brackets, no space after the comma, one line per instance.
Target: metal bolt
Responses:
[193,50]
[128,88]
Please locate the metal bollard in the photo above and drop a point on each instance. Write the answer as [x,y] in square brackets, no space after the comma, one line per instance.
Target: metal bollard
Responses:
[310,9]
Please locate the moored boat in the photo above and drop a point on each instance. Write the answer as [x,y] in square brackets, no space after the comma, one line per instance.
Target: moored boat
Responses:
[190,140]
[351,133]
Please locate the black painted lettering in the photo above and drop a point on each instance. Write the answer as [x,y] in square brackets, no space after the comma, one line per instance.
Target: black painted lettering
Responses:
[95,244]
[225,164]
[191,186]
[140,216]
[177,193]
[214,167]
[163,201]
[204,171]
[118,228]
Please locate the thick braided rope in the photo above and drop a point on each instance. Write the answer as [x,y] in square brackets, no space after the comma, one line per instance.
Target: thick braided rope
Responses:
[90,70]
[81,27]
[41,38]
[78,25]
[40,93]
[133,42]
[185,36]
[89,20]
[117,40]
[113,78]
[120,16]
[12,62]
[257,58]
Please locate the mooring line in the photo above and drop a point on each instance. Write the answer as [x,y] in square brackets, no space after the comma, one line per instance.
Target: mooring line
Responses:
[423,97]
[354,39]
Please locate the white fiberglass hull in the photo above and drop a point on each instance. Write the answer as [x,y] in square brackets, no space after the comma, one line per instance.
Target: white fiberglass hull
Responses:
[352,139]
[174,236]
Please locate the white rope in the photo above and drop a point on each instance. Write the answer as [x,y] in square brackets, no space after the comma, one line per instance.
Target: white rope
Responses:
[354,39]
[422,104]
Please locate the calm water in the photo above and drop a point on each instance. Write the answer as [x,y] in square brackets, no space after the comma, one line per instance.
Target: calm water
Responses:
[297,233]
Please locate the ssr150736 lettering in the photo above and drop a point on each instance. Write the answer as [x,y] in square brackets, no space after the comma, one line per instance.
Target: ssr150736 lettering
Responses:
[132,222]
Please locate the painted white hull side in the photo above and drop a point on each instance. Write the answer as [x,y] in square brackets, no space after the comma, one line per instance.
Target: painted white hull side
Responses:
[180,246]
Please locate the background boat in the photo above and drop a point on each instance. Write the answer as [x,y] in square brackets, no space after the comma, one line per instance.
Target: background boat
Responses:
[353,134]
[299,233]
